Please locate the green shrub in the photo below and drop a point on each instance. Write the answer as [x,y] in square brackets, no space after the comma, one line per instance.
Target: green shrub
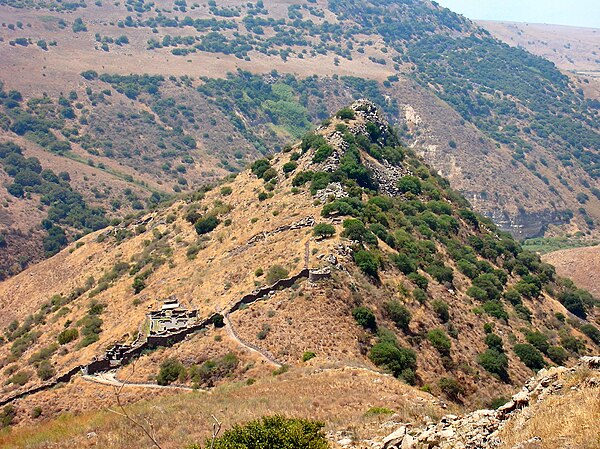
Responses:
[410,184]
[440,272]
[67,336]
[419,280]
[322,153]
[276,273]
[323,230]
[281,370]
[592,332]
[20,378]
[260,167]
[365,317]
[530,356]
[451,388]
[138,284]
[420,295]
[45,370]
[398,313]
[308,355]
[367,262]
[218,320]
[226,190]
[498,402]
[441,309]
[273,432]
[394,358]
[170,370]
[558,355]
[494,341]
[439,340]
[289,167]
[356,230]
[378,411]
[7,415]
[206,224]
[495,309]
[404,263]
[539,340]
[494,362]
[345,114]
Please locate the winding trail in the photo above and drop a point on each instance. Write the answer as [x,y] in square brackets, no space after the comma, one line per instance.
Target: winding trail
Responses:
[250,347]
[109,378]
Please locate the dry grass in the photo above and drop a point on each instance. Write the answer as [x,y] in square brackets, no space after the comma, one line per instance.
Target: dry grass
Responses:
[568,420]
[339,397]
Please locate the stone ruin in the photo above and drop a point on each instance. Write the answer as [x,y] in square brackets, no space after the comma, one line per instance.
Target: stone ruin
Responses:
[172,317]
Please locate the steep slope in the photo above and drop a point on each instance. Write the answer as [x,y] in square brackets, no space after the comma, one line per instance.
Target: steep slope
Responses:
[558,407]
[415,284]
[163,107]
[580,264]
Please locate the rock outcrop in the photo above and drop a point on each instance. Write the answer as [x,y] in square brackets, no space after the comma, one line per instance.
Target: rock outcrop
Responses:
[480,429]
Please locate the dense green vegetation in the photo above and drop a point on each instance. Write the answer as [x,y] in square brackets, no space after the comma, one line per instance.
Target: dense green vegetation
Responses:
[487,82]
[66,208]
[435,238]
[272,432]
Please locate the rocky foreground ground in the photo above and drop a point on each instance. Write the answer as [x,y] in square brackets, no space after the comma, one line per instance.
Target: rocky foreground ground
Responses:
[487,429]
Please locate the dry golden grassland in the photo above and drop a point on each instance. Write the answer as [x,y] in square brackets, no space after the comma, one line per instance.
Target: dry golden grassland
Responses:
[566,420]
[339,396]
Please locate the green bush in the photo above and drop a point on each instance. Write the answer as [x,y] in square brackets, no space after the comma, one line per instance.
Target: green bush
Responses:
[400,361]
[539,340]
[419,280]
[20,378]
[138,284]
[276,273]
[494,341]
[495,309]
[530,356]
[260,167]
[451,388]
[323,230]
[345,114]
[592,332]
[410,184]
[494,362]
[322,153]
[7,415]
[273,432]
[398,313]
[439,340]
[441,309]
[45,370]
[420,295]
[289,167]
[558,355]
[170,370]
[367,262]
[206,224]
[67,336]
[308,355]
[365,317]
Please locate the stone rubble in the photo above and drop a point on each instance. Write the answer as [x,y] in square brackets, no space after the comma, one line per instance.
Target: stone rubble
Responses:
[480,429]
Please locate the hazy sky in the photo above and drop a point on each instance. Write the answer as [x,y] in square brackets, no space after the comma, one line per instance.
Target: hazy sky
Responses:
[585,13]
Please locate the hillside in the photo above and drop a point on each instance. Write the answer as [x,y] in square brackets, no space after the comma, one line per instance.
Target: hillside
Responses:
[580,264]
[157,99]
[574,50]
[342,253]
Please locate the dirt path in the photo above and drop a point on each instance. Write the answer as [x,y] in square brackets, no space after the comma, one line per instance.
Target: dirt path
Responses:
[233,334]
[109,378]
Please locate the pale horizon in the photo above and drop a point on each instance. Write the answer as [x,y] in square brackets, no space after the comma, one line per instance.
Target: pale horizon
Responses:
[577,13]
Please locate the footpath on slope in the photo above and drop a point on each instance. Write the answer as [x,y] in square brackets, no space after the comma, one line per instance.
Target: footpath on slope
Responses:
[92,372]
